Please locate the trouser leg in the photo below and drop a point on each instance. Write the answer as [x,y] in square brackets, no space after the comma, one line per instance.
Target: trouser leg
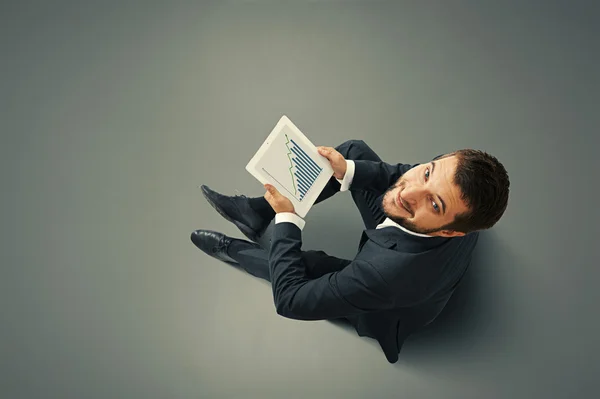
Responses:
[255,260]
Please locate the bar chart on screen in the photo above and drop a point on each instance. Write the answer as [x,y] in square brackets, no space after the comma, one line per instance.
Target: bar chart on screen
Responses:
[303,169]
[289,161]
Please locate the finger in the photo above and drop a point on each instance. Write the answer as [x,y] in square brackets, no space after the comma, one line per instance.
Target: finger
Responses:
[325,151]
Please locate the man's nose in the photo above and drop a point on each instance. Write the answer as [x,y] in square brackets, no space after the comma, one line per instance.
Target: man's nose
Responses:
[413,194]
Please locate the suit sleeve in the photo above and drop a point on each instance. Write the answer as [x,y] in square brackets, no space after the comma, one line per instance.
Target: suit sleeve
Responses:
[377,176]
[355,289]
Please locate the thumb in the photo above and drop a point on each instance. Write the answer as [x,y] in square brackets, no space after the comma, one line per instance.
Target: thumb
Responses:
[270,188]
[324,151]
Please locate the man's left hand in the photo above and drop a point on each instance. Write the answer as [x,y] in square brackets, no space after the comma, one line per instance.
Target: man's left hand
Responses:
[278,202]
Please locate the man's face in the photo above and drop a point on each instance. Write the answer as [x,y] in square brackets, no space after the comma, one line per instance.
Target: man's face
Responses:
[424,199]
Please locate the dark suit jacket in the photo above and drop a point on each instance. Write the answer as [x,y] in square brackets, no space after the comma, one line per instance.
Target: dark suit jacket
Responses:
[396,284]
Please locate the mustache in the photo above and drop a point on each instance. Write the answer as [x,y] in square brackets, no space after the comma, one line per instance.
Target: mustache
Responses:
[400,184]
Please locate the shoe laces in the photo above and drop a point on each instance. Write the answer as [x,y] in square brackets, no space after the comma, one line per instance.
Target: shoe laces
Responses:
[241,196]
[221,246]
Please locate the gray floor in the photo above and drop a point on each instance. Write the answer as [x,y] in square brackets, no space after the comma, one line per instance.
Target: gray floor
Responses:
[113,115]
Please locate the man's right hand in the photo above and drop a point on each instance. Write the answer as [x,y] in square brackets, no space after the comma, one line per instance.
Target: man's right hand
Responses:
[337,161]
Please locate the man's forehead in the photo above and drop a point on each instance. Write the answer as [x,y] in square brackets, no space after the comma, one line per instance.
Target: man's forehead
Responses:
[446,164]
[444,156]
[446,168]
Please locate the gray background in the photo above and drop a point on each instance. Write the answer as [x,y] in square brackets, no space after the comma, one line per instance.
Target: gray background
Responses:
[112,115]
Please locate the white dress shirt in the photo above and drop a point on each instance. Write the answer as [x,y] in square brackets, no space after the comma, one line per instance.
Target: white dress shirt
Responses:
[345,186]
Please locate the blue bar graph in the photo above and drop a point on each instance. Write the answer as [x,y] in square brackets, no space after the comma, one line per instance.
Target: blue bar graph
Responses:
[306,171]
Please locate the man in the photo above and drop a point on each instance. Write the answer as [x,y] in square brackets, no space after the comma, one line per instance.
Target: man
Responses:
[421,226]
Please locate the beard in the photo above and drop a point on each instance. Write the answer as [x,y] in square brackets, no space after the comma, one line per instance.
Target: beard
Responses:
[402,221]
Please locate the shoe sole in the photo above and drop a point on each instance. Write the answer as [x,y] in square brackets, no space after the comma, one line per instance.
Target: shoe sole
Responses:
[247,231]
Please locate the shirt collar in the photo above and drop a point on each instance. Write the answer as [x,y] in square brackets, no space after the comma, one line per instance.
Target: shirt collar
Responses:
[390,223]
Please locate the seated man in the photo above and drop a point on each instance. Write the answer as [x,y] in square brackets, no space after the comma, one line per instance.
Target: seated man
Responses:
[421,226]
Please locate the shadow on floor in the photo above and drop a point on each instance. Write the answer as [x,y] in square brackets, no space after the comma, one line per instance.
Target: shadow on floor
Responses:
[476,314]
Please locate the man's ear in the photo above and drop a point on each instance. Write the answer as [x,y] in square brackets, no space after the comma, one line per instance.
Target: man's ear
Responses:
[451,233]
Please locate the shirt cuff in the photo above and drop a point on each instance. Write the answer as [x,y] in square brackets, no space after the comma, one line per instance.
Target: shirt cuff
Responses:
[347,180]
[290,218]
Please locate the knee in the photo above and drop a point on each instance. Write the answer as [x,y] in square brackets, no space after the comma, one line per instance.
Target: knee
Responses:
[357,149]
[354,142]
[351,145]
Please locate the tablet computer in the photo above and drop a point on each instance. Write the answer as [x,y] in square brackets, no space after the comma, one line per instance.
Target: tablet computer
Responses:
[289,161]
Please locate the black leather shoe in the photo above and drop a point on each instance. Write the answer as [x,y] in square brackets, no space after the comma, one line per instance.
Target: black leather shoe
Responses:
[214,244]
[237,210]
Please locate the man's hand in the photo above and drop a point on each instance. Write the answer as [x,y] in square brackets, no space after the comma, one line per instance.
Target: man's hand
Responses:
[337,161]
[278,202]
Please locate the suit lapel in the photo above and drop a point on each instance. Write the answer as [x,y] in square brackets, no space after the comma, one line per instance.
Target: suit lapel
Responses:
[383,240]
[393,237]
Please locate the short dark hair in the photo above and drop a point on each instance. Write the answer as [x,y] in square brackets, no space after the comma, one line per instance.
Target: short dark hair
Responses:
[484,185]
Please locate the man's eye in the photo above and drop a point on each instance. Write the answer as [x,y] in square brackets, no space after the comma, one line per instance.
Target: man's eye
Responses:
[435,206]
[426,173]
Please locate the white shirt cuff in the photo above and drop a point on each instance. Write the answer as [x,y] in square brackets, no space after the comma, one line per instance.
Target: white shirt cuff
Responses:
[347,180]
[290,218]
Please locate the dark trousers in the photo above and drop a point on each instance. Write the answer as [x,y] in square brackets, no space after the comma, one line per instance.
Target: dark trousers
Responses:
[255,260]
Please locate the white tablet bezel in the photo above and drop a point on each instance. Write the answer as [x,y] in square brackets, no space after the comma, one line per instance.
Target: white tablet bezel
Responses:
[301,207]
